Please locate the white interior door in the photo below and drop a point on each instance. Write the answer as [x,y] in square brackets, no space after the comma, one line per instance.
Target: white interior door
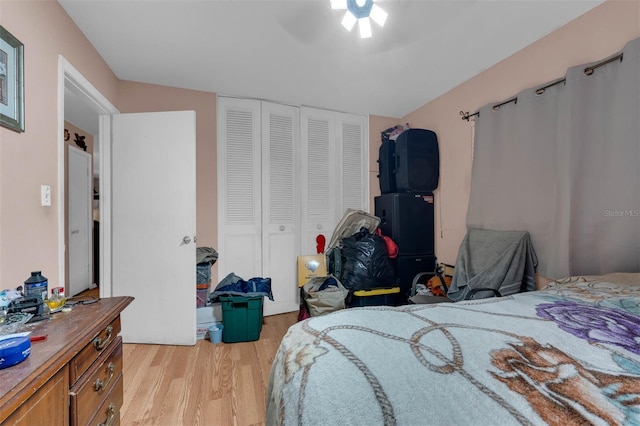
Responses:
[335,172]
[153,225]
[354,162]
[239,188]
[280,212]
[79,228]
[318,177]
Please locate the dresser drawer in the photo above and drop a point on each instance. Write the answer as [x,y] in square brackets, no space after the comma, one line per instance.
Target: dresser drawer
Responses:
[109,412]
[93,349]
[92,389]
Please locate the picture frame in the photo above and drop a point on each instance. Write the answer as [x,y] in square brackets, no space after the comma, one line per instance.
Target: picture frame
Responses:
[11,81]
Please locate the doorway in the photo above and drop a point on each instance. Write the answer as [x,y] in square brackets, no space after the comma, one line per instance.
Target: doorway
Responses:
[133,257]
[81,104]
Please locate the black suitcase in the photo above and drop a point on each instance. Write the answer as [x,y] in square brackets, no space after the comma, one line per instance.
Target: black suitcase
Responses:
[418,161]
[387,166]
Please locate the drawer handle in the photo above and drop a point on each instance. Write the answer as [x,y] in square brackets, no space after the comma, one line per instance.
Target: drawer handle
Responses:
[99,384]
[99,344]
[111,414]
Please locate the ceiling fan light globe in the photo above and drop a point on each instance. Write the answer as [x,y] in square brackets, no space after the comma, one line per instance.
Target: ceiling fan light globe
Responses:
[378,15]
[365,27]
[349,21]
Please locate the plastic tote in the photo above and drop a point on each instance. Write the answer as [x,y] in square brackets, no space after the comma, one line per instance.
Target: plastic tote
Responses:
[242,318]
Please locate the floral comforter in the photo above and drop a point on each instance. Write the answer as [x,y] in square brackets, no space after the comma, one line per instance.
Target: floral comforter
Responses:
[568,354]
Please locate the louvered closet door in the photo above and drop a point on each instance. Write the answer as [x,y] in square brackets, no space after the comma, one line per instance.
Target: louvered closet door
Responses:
[280,210]
[354,162]
[335,172]
[239,188]
[318,177]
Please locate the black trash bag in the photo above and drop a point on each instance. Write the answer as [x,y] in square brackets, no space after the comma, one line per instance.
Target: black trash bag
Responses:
[365,262]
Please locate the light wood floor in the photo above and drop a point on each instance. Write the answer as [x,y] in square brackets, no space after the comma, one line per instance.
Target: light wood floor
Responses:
[206,384]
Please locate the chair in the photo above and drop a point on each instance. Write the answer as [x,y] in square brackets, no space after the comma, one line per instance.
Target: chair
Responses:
[490,263]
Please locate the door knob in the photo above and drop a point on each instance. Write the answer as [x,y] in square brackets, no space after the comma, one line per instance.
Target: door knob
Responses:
[186,240]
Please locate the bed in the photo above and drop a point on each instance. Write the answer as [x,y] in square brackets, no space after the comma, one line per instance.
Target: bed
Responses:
[566,354]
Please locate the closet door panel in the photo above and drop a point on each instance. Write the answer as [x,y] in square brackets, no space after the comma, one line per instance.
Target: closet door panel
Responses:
[353,160]
[281,254]
[280,223]
[239,195]
[318,177]
[242,257]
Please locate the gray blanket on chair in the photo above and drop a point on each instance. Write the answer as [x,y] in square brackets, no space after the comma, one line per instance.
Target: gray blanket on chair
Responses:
[499,260]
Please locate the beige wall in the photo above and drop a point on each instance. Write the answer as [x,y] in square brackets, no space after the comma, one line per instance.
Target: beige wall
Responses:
[139,97]
[595,35]
[28,231]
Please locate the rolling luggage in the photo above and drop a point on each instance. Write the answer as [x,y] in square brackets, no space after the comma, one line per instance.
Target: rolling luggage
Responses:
[387,166]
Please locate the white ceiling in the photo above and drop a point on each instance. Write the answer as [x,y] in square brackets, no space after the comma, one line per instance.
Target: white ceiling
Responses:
[296,51]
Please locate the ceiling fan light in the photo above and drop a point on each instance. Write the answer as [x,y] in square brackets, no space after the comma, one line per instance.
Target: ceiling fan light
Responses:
[338,4]
[378,15]
[349,21]
[365,27]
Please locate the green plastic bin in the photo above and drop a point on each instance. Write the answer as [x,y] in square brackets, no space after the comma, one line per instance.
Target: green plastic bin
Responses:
[242,318]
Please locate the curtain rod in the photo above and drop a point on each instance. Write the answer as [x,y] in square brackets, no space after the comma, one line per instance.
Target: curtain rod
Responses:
[540,91]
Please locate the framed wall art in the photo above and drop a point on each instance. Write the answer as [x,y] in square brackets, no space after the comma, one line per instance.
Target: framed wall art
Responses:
[11,81]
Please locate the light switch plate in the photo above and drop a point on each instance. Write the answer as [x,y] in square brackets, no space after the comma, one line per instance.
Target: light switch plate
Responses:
[45,195]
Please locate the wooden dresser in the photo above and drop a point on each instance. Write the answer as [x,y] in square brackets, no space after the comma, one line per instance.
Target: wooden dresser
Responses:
[74,376]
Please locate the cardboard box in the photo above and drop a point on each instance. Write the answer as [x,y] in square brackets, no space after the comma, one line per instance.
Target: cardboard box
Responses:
[311,266]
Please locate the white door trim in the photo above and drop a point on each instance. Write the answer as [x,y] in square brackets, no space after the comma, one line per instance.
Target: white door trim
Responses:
[68,74]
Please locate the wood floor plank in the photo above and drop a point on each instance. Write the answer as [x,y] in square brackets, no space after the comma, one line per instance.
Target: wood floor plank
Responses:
[206,384]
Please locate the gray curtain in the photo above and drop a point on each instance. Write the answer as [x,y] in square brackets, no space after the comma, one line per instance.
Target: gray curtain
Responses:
[564,165]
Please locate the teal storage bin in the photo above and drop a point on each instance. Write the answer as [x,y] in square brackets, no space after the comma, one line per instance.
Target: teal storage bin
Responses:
[242,318]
